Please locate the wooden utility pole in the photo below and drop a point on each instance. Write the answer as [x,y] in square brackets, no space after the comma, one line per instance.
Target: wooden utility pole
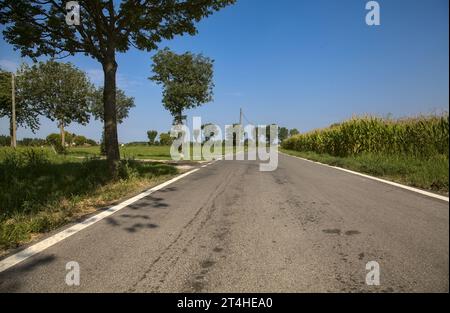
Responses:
[13,112]
[240,116]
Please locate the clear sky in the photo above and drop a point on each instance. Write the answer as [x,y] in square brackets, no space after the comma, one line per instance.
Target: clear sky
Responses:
[298,63]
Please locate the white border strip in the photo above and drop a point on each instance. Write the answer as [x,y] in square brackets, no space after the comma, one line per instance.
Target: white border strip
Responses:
[423,192]
[46,243]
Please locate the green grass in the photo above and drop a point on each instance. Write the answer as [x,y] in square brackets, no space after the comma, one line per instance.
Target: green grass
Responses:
[133,152]
[41,191]
[142,152]
[426,173]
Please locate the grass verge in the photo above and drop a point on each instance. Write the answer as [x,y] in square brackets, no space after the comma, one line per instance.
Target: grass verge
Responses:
[428,173]
[41,191]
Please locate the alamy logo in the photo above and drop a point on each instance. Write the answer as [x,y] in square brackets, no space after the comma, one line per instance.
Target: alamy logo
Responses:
[73,13]
[373,16]
[256,142]
[73,276]
[373,276]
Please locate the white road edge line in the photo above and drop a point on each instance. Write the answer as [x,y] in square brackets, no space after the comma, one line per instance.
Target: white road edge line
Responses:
[46,243]
[423,192]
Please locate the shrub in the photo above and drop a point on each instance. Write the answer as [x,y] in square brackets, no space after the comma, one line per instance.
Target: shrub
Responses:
[79,140]
[165,139]
[5,141]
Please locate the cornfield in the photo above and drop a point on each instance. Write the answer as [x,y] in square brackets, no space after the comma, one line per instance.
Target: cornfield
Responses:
[421,137]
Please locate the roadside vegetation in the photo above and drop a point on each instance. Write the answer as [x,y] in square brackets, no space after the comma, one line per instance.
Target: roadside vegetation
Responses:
[42,190]
[414,151]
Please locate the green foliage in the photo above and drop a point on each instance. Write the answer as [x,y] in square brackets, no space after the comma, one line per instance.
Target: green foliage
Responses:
[5,141]
[59,91]
[54,140]
[91,142]
[36,29]
[165,139]
[293,132]
[420,137]
[79,140]
[152,134]
[187,80]
[283,133]
[102,145]
[123,105]
[32,142]
[27,114]
[429,173]
[40,190]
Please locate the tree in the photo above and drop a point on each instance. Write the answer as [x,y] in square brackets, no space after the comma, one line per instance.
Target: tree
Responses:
[165,139]
[123,105]
[293,132]
[59,91]
[39,27]
[283,133]
[186,79]
[26,114]
[79,140]
[151,134]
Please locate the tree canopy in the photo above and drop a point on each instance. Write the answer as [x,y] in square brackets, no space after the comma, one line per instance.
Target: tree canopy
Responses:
[187,80]
[283,133]
[27,115]
[151,134]
[123,105]
[293,132]
[60,91]
[165,139]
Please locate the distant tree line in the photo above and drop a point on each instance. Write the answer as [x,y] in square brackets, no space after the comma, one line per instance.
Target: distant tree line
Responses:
[53,139]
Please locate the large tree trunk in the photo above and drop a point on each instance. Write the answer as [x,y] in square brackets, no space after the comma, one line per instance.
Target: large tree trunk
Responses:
[178,119]
[62,133]
[110,120]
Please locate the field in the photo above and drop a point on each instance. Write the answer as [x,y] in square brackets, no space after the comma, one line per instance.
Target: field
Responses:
[413,151]
[42,191]
[140,152]
[134,152]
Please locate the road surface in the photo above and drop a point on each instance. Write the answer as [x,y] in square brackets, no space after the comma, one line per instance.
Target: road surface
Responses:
[230,228]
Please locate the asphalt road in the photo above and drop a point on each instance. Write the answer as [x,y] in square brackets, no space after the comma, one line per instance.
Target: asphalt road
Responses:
[230,228]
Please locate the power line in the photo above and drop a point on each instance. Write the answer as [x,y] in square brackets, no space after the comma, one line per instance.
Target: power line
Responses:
[248,121]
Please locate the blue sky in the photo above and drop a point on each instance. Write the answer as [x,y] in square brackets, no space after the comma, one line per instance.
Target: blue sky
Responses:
[298,63]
